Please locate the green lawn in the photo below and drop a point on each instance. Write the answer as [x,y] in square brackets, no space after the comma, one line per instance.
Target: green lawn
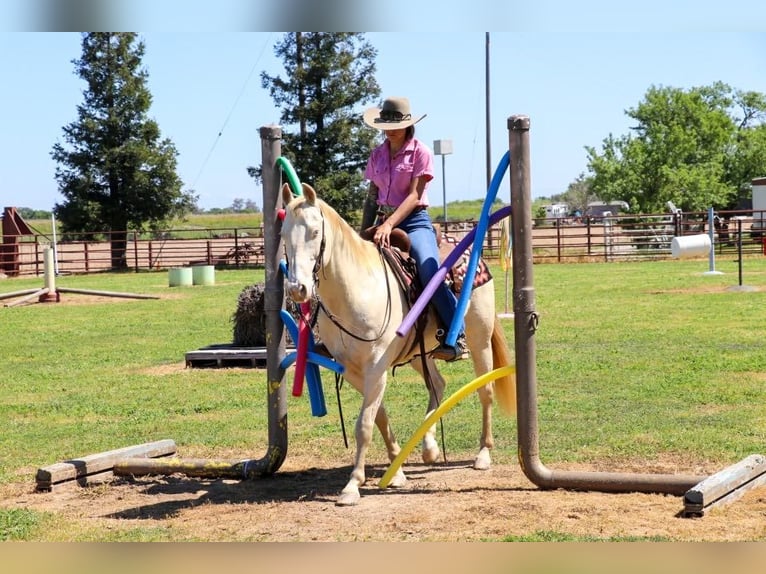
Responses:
[635,361]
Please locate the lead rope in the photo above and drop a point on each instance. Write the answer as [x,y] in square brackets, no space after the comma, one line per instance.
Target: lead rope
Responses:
[338,385]
[419,330]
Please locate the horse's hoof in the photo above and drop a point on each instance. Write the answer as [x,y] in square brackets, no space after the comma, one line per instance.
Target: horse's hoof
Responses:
[431,455]
[399,480]
[348,499]
[483,460]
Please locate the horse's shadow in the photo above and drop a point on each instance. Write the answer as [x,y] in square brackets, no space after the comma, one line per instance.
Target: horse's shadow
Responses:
[314,484]
[190,492]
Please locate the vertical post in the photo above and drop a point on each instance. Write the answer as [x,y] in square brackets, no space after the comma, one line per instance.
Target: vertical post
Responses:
[486,106]
[55,247]
[739,249]
[525,315]
[273,301]
[711,232]
[444,194]
[442,148]
[135,249]
[236,247]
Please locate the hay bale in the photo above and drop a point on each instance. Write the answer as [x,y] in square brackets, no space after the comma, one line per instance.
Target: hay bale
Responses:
[249,318]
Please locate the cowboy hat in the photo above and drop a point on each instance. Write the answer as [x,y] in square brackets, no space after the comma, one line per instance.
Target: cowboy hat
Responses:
[394,115]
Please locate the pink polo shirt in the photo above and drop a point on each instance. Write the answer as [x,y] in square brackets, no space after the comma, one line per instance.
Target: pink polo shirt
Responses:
[393,176]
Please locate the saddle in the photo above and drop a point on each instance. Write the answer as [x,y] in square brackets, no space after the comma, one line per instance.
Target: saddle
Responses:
[398,257]
[405,268]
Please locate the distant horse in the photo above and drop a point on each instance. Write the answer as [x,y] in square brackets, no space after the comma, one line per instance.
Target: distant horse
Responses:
[361,307]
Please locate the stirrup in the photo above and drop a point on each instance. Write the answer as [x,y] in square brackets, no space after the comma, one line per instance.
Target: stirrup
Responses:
[449,353]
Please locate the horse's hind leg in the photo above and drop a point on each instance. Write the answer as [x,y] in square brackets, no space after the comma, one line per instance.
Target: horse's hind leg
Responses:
[484,460]
[436,384]
[479,334]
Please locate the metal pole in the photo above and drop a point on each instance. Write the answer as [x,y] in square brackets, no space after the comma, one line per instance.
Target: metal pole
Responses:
[486,105]
[273,301]
[739,249]
[526,321]
[444,194]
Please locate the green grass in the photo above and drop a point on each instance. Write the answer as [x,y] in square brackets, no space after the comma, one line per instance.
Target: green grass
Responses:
[20,524]
[635,362]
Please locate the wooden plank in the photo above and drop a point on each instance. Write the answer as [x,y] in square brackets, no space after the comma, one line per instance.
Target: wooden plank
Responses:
[227,355]
[725,486]
[80,469]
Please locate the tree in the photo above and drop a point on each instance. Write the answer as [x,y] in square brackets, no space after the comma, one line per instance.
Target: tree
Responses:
[115,172]
[327,76]
[688,147]
[578,194]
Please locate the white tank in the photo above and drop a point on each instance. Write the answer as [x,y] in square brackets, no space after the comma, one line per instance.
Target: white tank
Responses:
[759,203]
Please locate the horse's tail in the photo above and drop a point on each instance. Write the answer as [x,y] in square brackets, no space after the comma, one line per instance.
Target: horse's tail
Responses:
[505,387]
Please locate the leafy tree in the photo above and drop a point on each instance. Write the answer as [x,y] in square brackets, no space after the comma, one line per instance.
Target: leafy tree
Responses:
[327,76]
[115,171]
[577,195]
[689,147]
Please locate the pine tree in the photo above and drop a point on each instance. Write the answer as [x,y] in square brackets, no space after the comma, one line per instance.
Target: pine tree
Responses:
[115,172]
[328,76]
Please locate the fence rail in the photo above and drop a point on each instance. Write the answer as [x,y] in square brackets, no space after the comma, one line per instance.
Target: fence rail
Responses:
[554,240]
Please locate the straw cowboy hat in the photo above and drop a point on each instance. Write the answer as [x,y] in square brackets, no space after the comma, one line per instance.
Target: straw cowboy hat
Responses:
[394,115]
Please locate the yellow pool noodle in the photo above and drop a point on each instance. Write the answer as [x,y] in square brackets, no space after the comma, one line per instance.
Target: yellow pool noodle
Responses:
[442,409]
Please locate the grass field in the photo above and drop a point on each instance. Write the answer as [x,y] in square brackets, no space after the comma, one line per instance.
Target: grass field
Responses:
[635,361]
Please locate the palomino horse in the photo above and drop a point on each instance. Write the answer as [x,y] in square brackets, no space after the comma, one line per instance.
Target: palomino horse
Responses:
[361,307]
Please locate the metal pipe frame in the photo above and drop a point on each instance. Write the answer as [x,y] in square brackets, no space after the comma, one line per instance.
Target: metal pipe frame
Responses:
[525,326]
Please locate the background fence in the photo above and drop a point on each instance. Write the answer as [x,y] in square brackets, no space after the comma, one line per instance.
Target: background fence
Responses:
[555,240]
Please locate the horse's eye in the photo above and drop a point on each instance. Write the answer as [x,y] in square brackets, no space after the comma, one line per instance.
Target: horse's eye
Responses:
[315,234]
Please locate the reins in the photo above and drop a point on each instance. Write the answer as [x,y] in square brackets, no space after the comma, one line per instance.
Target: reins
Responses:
[334,318]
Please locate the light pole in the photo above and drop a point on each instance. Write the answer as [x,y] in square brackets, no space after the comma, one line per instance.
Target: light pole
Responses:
[443,148]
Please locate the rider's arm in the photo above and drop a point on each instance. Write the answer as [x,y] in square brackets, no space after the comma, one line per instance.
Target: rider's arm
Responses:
[370,207]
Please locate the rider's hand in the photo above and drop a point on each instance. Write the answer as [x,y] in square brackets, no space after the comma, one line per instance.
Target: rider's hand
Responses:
[382,235]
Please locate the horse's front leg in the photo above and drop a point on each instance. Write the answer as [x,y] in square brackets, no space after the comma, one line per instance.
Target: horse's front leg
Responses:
[435,382]
[371,401]
[392,446]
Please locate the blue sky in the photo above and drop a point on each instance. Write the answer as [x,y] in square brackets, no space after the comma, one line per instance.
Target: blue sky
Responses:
[574,76]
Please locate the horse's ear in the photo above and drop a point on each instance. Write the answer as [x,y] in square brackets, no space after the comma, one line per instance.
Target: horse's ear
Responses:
[287,195]
[309,193]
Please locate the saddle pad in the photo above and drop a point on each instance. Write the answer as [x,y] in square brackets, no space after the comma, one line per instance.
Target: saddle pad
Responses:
[456,275]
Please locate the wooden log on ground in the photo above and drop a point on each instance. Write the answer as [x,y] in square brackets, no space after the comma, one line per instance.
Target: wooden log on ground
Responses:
[35,295]
[106,293]
[725,486]
[198,467]
[98,467]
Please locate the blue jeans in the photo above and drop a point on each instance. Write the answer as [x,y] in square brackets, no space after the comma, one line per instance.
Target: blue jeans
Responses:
[425,252]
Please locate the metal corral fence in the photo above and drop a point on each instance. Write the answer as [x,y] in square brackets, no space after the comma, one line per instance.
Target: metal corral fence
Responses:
[639,237]
[554,240]
[225,248]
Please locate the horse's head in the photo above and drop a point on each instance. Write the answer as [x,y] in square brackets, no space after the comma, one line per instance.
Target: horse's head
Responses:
[304,241]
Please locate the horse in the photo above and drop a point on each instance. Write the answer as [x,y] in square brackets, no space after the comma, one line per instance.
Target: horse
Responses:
[361,305]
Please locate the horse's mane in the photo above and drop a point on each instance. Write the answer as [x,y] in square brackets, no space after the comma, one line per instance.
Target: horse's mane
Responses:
[348,242]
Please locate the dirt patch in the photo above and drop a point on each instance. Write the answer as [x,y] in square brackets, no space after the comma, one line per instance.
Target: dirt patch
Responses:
[445,502]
